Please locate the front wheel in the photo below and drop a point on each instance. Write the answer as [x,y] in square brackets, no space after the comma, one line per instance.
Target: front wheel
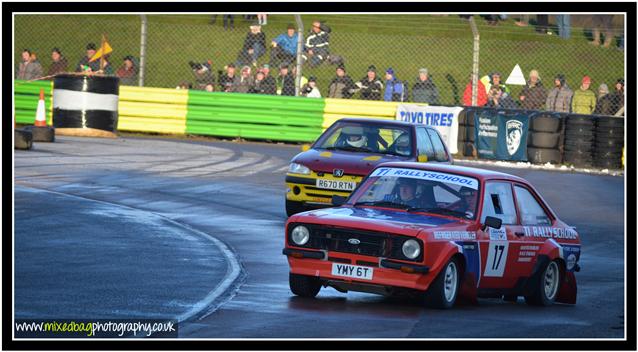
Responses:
[304,286]
[545,292]
[443,291]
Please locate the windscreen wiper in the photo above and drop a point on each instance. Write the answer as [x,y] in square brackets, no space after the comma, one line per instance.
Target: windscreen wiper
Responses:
[383,203]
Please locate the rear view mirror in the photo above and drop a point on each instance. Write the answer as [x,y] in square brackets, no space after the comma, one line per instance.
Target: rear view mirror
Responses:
[338,200]
[492,222]
[305,147]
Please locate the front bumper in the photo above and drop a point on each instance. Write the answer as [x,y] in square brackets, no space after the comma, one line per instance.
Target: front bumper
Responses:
[388,273]
[302,188]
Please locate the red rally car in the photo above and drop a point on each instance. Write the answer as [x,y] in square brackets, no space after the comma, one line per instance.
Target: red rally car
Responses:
[439,230]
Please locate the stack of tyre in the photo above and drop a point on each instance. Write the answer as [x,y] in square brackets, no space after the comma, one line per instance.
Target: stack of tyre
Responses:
[465,140]
[579,140]
[609,142]
[544,138]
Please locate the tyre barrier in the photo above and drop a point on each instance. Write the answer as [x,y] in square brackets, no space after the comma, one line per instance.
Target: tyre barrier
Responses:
[609,142]
[544,138]
[579,137]
[85,105]
[466,134]
[23,139]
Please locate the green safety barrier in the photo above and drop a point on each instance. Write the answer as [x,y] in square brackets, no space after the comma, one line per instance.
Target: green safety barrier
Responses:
[254,116]
[27,95]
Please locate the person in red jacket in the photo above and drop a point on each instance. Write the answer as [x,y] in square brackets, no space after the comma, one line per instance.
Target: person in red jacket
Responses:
[481,98]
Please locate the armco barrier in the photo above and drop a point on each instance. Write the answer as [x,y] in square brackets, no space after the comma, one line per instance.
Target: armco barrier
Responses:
[254,116]
[159,110]
[340,108]
[27,94]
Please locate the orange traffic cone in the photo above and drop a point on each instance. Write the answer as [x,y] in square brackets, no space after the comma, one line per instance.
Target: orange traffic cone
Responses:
[41,132]
[40,119]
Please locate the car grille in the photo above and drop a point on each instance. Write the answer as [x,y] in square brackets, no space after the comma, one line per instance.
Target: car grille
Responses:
[375,244]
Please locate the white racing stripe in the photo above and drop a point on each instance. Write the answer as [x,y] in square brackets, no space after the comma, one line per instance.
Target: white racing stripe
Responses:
[72,100]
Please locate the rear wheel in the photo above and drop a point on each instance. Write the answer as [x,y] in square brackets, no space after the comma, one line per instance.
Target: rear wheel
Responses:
[443,291]
[304,286]
[546,290]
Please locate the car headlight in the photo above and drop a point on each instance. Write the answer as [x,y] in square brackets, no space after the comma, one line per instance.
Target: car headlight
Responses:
[411,249]
[300,235]
[295,168]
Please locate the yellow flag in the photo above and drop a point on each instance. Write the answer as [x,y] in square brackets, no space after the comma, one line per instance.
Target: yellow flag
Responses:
[105,49]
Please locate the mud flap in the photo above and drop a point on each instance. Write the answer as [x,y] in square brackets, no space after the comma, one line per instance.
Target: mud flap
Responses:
[568,290]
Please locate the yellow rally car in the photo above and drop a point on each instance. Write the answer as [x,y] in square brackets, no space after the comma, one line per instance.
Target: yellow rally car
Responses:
[347,151]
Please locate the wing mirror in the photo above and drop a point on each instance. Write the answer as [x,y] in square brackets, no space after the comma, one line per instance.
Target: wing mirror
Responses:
[305,147]
[338,200]
[492,222]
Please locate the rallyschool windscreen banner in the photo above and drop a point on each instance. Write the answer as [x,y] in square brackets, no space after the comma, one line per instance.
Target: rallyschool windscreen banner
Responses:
[443,118]
[500,135]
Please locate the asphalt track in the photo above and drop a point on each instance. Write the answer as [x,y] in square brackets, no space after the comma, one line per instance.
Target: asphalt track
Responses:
[177,193]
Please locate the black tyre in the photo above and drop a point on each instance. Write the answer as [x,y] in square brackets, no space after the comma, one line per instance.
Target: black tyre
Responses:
[470,134]
[293,207]
[546,290]
[543,155]
[611,143]
[581,148]
[610,132]
[581,154]
[608,164]
[469,149]
[42,133]
[608,154]
[304,286]
[463,117]
[613,122]
[574,120]
[469,119]
[579,129]
[23,139]
[545,123]
[462,136]
[544,139]
[443,290]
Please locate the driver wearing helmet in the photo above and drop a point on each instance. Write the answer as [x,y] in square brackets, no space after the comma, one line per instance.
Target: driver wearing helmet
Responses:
[402,144]
[354,137]
[467,203]
[407,192]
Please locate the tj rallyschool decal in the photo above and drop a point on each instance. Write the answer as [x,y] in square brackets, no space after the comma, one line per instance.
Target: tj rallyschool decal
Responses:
[550,232]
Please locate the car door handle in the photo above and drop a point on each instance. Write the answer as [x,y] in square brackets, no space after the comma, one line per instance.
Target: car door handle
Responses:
[519,234]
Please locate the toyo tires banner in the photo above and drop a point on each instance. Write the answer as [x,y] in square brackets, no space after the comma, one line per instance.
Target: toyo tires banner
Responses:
[501,135]
[444,119]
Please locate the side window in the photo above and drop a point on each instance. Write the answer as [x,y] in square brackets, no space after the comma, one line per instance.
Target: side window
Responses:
[424,145]
[531,212]
[439,149]
[499,203]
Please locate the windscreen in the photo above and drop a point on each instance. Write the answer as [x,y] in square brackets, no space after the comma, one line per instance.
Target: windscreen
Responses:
[369,138]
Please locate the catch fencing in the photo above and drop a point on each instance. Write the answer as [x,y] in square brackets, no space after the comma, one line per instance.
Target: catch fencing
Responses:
[164,47]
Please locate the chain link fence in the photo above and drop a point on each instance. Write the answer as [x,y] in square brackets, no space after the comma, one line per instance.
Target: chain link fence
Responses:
[194,50]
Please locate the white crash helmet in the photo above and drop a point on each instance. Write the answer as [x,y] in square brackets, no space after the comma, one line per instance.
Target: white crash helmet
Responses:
[402,144]
[359,139]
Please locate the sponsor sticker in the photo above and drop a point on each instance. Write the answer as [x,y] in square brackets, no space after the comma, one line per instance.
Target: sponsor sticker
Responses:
[454,235]
[426,175]
[498,234]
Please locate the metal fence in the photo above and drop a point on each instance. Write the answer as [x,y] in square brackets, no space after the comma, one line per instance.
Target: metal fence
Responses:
[167,50]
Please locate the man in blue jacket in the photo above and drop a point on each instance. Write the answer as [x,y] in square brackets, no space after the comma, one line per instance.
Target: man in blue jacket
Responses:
[395,90]
[284,48]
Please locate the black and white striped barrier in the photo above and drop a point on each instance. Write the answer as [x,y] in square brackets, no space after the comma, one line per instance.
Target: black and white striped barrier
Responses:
[85,105]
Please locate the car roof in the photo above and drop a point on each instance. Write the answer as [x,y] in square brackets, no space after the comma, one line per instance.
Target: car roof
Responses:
[373,121]
[480,174]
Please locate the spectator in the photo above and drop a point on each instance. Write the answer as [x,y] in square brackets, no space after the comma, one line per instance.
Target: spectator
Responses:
[424,90]
[584,100]
[395,90]
[254,46]
[303,80]
[59,63]
[497,98]
[285,82]
[262,18]
[605,102]
[618,98]
[284,47]
[560,97]
[261,86]
[481,97]
[84,65]
[310,89]
[317,46]
[542,24]
[370,85]
[29,68]
[564,28]
[184,85]
[104,65]
[342,85]
[209,87]
[495,80]
[203,74]
[127,72]
[533,95]
[244,82]
[227,79]
[268,79]
[602,22]
[229,21]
